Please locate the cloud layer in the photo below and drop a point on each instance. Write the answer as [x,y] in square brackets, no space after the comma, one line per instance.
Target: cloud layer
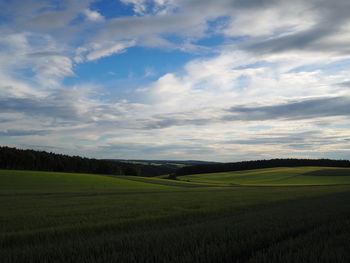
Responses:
[269,79]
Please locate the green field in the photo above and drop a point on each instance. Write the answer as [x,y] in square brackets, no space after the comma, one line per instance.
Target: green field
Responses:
[276,176]
[57,217]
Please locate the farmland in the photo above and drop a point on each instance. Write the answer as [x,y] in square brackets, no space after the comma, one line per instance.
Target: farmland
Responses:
[276,176]
[66,217]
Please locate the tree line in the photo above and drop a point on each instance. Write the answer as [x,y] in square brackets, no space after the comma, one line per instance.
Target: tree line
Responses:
[259,164]
[13,158]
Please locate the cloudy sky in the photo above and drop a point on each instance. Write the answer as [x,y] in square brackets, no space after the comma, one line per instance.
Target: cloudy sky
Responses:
[222,80]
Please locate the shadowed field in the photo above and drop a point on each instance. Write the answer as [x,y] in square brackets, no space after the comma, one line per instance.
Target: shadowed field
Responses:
[329,172]
[57,217]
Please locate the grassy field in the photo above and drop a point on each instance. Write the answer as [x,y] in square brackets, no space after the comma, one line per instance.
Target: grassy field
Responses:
[57,217]
[276,176]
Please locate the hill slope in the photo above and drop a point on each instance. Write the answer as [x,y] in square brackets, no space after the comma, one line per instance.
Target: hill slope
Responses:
[276,176]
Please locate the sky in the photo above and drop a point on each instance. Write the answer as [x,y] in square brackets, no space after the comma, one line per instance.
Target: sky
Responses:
[223,80]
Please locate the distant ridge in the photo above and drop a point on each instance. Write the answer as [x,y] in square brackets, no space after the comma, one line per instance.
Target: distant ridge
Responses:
[184,162]
[159,167]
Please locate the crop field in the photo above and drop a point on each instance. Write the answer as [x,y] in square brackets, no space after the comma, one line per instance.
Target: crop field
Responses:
[64,217]
[276,176]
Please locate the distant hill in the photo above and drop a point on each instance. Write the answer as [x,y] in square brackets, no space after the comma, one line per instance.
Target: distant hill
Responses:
[259,164]
[150,168]
[173,162]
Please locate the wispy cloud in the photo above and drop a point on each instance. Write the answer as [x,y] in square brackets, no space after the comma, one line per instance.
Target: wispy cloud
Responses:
[294,110]
[23,132]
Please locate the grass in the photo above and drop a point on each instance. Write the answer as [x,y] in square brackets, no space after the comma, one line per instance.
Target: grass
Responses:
[276,176]
[13,182]
[57,217]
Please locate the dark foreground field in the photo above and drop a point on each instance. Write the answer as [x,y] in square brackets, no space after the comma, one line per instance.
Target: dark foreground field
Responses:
[55,217]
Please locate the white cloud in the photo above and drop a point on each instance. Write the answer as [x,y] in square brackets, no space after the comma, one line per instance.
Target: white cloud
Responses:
[159,7]
[51,69]
[93,15]
[140,6]
[37,55]
[99,50]
[262,22]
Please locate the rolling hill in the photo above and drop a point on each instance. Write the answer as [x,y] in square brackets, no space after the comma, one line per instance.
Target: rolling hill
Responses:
[275,176]
[69,217]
